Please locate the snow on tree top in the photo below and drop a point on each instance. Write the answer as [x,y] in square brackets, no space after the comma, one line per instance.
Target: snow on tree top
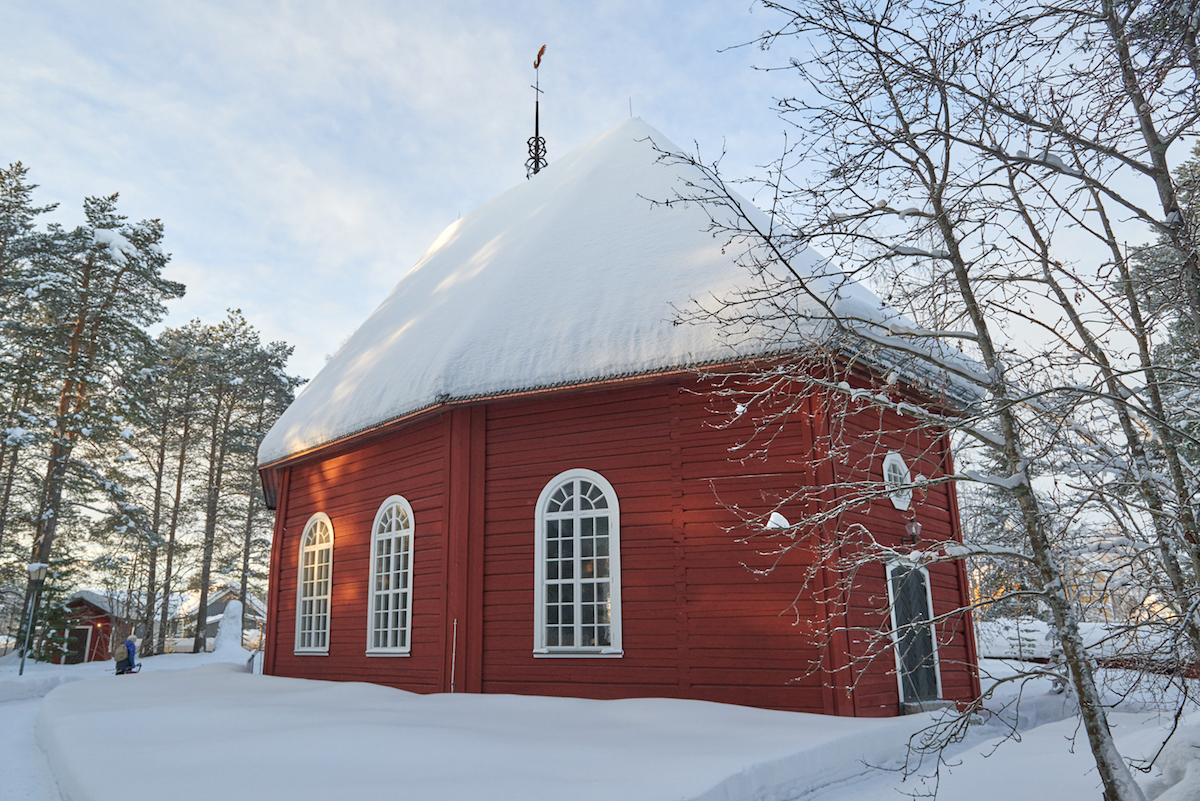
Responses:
[573,276]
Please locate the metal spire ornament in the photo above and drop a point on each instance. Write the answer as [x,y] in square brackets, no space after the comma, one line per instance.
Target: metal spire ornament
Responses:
[537,145]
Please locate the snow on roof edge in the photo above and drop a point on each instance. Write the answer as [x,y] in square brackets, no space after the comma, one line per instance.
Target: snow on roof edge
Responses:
[449,400]
[921,384]
[566,280]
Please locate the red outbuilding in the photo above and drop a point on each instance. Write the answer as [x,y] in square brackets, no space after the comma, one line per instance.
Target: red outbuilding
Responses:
[513,479]
[88,638]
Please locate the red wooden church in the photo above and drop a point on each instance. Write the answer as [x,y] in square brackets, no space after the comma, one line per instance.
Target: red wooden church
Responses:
[508,480]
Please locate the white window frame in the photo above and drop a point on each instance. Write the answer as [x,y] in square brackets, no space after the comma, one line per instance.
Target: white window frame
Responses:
[316,650]
[900,491]
[407,572]
[895,635]
[540,649]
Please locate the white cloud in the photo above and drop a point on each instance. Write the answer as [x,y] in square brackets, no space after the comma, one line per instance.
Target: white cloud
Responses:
[303,155]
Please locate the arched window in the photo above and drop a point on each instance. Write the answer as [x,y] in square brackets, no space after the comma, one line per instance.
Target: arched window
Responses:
[895,477]
[577,567]
[389,621]
[911,603]
[314,586]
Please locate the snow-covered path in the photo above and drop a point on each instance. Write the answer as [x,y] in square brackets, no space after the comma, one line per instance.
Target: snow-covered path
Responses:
[26,774]
[266,737]
[275,737]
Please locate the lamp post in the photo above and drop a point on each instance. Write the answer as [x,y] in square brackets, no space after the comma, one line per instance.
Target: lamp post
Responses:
[37,574]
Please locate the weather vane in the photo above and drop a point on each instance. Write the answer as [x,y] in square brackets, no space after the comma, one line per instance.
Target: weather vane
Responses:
[537,145]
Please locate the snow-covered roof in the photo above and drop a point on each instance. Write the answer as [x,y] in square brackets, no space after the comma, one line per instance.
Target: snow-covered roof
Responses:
[96,599]
[571,277]
[119,603]
[192,601]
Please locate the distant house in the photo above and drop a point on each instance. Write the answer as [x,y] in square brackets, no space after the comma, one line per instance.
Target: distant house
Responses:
[95,615]
[254,613]
[92,621]
[510,479]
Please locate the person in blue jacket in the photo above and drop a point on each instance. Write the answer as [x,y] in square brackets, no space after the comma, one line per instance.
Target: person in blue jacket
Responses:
[127,664]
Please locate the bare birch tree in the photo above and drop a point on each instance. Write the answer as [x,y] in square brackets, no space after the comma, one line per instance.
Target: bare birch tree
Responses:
[983,168]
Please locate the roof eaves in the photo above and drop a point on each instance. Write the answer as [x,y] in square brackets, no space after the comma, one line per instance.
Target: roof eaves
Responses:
[929,379]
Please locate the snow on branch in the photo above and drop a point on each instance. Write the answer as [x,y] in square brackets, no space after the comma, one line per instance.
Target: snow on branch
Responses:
[904,250]
[119,248]
[901,329]
[1017,479]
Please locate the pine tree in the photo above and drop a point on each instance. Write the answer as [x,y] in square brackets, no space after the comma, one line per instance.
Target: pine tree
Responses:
[22,278]
[52,621]
[245,388]
[104,288]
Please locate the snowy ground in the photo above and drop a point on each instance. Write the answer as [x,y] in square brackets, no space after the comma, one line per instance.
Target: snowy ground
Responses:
[205,728]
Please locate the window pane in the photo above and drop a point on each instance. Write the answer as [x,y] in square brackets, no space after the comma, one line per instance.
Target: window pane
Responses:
[575,549]
[393,575]
[316,559]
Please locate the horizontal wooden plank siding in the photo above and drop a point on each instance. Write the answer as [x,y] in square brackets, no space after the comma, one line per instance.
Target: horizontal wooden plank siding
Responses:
[696,622]
[867,436]
[349,488]
[712,608]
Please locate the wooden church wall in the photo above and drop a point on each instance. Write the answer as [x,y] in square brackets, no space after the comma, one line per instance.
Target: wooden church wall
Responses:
[696,622]
[349,487]
[623,434]
[752,639]
[865,437]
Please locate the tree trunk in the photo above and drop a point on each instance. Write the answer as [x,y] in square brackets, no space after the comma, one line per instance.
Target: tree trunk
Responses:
[176,504]
[1114,773]
[218,447]
[10,474]
[160,468]
[251,502]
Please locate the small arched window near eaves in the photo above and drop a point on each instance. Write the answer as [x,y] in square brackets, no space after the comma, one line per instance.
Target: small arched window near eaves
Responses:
[577,567]
[314,586]
[389,615]
[897,479]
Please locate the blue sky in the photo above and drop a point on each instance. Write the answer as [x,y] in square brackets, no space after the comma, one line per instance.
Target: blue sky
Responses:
[302,155]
